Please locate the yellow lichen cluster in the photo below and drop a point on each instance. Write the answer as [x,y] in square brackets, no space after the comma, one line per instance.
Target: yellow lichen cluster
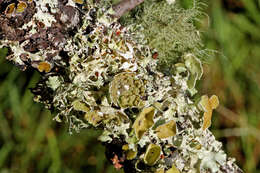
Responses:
[166,130]
[44,67]
[93,117]
[152,154]
[144,121]
[79,1]
[208,104]
[21,6]
[130,153]
[173,169]
[11,9]
[79,106]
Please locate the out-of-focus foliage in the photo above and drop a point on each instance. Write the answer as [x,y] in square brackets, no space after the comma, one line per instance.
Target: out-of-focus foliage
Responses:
[31,142]
[234,75]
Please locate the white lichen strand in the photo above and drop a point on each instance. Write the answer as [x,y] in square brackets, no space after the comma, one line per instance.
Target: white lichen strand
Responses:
[54,82]
[170,1]
[42,14]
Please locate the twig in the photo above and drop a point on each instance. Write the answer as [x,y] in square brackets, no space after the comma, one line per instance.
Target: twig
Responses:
[124,6]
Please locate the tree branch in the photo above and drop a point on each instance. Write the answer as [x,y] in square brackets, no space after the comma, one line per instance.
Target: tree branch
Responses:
[124,6]
[98,76]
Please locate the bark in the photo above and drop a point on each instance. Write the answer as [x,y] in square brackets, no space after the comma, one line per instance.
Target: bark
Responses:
[124,6]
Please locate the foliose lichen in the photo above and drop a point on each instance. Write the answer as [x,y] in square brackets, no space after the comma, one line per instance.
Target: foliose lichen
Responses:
[98,74]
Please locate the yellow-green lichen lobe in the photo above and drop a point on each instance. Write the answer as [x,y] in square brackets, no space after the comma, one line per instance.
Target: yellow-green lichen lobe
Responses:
[152,154]
[144,121]
[166,130]
[126,90]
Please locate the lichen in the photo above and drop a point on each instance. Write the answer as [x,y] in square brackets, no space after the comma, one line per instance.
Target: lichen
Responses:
[195,69]
[152,154]
[99,74]
[166,130]
[208,104]
[21,6]
[144,121]
[126,90]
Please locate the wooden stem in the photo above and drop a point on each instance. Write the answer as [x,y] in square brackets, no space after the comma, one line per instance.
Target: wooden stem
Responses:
[124,6]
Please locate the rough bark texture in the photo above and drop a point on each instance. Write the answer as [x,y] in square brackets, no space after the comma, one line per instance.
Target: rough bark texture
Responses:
[98,74]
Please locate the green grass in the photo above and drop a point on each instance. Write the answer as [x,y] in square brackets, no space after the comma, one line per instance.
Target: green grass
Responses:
[31,142]
[234,75]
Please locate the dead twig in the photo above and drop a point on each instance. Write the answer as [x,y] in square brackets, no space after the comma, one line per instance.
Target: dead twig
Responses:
[124,6]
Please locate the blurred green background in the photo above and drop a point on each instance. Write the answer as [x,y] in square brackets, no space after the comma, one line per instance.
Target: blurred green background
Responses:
[31,142]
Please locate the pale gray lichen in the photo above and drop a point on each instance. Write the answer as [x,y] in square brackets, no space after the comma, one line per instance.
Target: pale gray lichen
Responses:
[104,76]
